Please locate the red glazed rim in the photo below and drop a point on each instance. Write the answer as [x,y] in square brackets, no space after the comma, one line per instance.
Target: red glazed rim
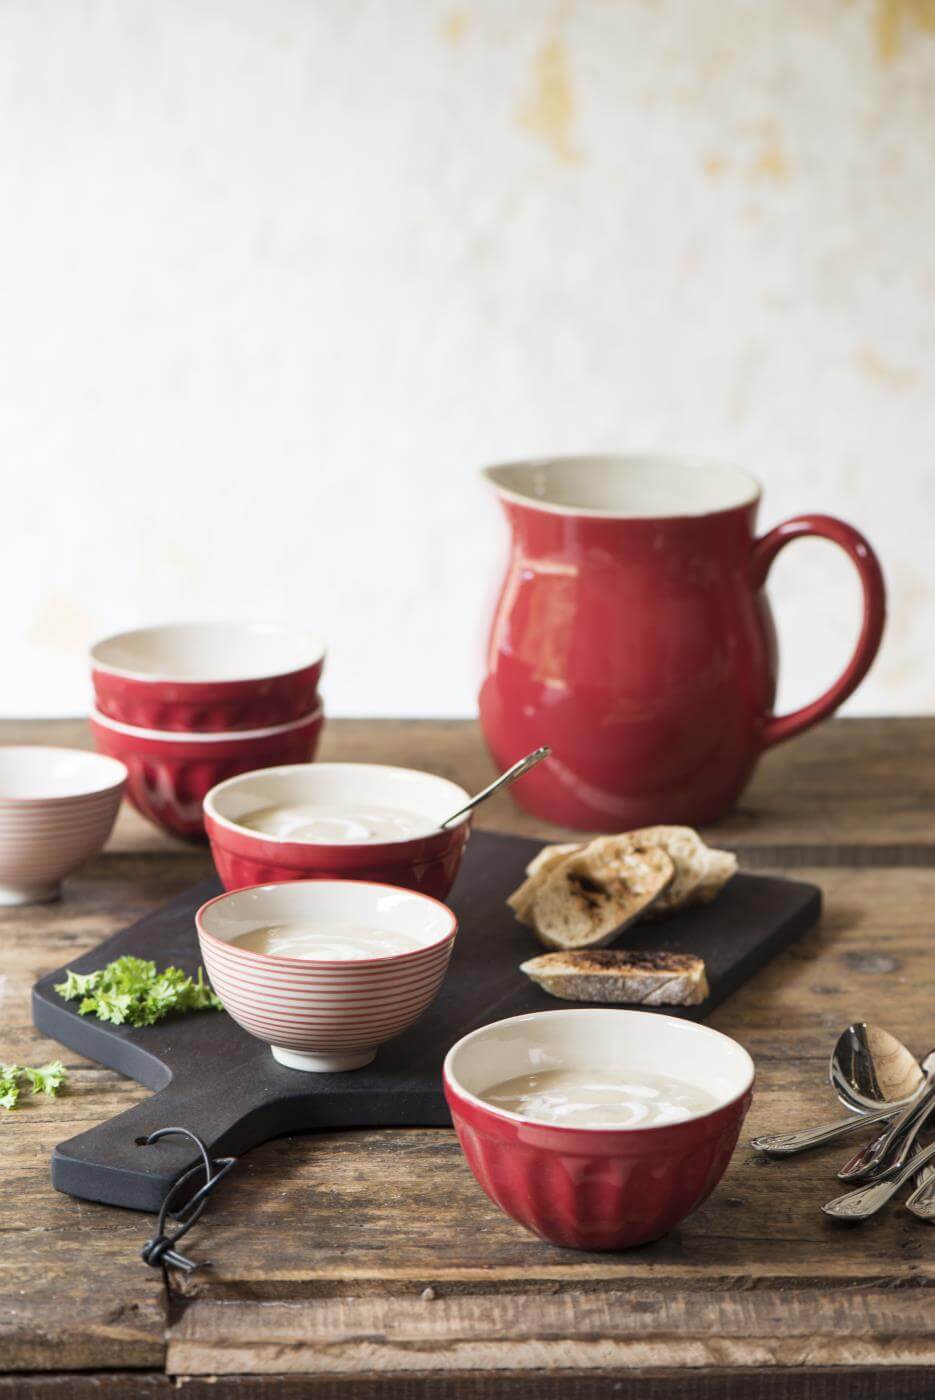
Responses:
[519,497]
[459,1092]
[225,823]
[326,962]
[184,736]
[316,656]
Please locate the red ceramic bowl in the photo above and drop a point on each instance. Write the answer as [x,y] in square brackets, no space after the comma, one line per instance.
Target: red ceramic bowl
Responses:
[170,773]
[207,677]
[427,863]
[597,1188]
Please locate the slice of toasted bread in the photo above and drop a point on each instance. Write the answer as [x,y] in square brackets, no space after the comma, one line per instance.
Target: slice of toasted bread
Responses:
[590,896]
[688,854]
[722,865]
[521,900]
[621,977]
[549,856]
[700,871]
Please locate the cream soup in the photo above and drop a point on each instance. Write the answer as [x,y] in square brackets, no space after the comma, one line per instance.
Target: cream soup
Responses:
[331,941]
[333,825]
[598,1098]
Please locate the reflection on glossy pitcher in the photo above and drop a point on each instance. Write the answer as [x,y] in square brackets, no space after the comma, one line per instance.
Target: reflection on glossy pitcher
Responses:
[633,635]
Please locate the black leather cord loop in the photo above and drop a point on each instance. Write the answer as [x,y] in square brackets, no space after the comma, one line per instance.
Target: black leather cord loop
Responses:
[160,1251]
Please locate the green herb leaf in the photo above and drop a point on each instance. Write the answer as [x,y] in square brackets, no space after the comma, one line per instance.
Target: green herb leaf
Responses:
[47,1079]
[129,991]
[9,1085]
[78,984]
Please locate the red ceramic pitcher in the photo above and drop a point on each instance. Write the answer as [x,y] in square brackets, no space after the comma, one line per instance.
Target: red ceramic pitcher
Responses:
[633,634]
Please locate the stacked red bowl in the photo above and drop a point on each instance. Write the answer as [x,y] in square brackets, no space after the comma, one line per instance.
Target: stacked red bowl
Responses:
[187,705]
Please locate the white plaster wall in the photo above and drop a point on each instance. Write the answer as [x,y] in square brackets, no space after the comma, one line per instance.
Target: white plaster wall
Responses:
[275,279]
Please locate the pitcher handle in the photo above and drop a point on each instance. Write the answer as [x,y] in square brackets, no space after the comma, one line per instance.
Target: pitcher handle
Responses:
[827,527]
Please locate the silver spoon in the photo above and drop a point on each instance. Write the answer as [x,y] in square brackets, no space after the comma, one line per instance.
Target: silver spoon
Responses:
[873,1074]
[869,1066]
[867,1200]
[504,780]
[922,1200]
[889,1151]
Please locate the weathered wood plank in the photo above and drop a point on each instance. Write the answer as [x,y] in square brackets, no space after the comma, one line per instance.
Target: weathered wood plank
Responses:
[634,1383]
[572,1332]
[859,790]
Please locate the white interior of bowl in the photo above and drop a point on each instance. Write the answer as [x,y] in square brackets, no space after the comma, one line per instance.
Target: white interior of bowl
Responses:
[320,902]
[207,651]
[33,772]
[336,785]
[627,487]
[599,1039]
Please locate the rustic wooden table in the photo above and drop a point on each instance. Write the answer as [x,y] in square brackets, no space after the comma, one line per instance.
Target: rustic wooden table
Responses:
[370,1264]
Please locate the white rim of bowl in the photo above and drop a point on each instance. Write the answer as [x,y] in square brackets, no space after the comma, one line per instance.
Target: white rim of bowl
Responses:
[185,736]
[210,810]
[478,1102]
[102,759]
[317,650]
[328,962]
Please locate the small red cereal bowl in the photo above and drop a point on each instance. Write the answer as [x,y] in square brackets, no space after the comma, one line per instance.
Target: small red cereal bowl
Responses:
[169,773]
[207,677]
[594,1187]
[327,1013]
[342,793]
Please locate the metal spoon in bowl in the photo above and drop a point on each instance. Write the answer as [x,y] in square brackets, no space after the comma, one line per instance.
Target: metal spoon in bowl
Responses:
[872,1073]
[504,780]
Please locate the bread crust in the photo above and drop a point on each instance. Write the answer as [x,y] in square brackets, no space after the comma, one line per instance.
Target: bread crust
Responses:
[621,977]
[522,899]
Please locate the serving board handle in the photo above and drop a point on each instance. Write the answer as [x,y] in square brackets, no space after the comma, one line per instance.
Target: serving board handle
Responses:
[113,1164]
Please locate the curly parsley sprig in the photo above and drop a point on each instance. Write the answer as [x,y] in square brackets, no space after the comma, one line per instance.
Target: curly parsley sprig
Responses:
[43,1079]
[131,992]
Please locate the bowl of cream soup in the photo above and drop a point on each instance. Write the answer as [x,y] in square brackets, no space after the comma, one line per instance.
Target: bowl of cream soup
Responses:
[350,821]
[207,677]
[598,1128]
[325,971]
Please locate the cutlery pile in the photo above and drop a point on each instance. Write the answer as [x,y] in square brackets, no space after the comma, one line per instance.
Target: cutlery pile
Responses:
[880,1082]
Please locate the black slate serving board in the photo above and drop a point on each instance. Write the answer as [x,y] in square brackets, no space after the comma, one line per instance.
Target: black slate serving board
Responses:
[211,1077]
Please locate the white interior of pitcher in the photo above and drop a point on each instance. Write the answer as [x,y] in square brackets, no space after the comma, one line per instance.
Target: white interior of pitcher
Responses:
[634,487]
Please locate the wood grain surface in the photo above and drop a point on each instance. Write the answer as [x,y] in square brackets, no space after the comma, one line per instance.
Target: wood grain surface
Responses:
[323,1245]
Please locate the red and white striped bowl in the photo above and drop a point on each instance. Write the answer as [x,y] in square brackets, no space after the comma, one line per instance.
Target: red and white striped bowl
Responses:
[325,1015]
[57,809]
